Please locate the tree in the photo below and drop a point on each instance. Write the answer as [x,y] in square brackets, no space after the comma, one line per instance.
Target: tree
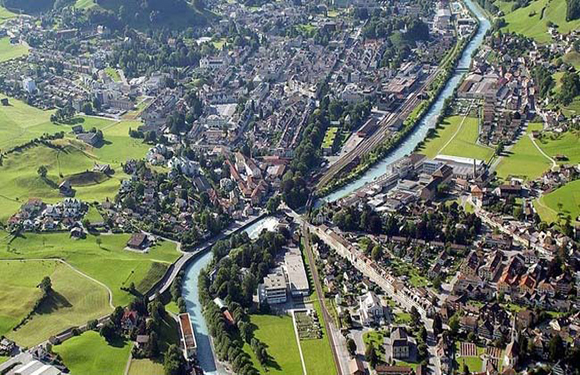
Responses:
[556,348]
[377,253]
[351,346]
[153,345]
[46,285]
[174,362]
[415,317]
[273,204]
[108,331]
[117,316]
[99,241]
[92,324]
[454,326]
[371,356]
[42,171]
[437,325]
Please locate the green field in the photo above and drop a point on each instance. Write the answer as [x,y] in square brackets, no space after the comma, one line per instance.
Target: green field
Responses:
[567,144]
[109,263]
[329,137]
[568,196]
[524,159]
[277,332]
[20,180]
[145,367]
[75,300]
[456,137]
[112,72]
[5,14]
[473,363]
[531,21]
[573,58]
[90,354]
[10,51]
[19,123]
[377,340]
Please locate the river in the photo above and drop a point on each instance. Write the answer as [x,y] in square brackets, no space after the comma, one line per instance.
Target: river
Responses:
[428,121]
[190,290]
[191,295]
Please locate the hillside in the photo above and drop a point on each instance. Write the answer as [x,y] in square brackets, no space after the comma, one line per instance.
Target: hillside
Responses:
[29,6]
[533,20]
[155,13]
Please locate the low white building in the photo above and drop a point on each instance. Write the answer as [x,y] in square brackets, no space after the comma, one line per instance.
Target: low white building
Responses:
[371,310]
[28,85]
[274,289]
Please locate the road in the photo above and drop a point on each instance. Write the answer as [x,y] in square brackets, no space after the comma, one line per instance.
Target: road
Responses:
[381,278]
[339,360]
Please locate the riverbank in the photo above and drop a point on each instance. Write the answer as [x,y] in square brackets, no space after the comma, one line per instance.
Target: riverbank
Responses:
[374,168]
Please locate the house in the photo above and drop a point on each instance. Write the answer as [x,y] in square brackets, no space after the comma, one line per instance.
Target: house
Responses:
[77,233]
[141,341]
[65,188]
[400,343]
[274,289]
[511,353]
[138,241]
[393,370]
[371,310]
[129,320]
[355,367]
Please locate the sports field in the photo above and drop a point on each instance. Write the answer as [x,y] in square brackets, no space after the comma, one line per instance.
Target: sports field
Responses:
[108,263]
[75,299]
[277,332]
[10,51]
[524,160]
[532,21]
[457,136]
[90,354]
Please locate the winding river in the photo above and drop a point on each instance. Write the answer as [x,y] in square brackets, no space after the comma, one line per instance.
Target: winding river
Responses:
[190,290]
[429,120]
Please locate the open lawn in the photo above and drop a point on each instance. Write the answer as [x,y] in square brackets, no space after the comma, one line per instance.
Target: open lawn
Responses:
[20,123]
[88,353]
[72,161]
[74,301]
[109,263]
[112,72]
[524,159]
[277,332]
[573,58]
[569,198]
[9,51]
[567,144]
[456,137]
[5,14]
[377,340]
[145,367]
[532,20]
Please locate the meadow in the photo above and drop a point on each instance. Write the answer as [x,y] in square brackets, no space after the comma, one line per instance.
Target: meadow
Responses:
[567,144]
[75,299]
[10,51]
[90,354]
[5,14]
[560,203]
[277,332]
[532,21]
[108,262]
[456,137]
[524,160]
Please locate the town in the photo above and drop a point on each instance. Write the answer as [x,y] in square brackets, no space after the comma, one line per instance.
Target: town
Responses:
[289,187]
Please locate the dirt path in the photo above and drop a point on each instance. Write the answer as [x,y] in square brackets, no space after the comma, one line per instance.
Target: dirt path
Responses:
[554,164]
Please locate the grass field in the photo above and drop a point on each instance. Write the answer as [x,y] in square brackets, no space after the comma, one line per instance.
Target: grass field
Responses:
[10,51]
[5,14]
[90,354]
[277,332]
[532,20]
[112,72]
[573,58]
[18,172]
[75,300]
[524,159]
[456,137]
[567,144]
[568,196]
[145,367]
[377,340]
[109,263]
[20,123]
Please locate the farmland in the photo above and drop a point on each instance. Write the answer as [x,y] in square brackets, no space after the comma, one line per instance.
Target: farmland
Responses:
[108,262]
[456,136]
[565,200]
[524,159]
[10,51]
[532,21]
[85,354]
[566,144]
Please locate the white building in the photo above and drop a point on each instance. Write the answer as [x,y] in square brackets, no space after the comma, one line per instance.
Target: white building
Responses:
[297,279]
[371,309]
[28,85]
[274,288]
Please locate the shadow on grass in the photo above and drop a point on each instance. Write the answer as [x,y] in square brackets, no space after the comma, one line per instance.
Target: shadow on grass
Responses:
[54,302]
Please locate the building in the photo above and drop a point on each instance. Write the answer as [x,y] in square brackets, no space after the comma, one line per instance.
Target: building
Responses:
[371,310]
[187,336]
[399,343]
[35,367]
[138,241]
[28,85]
[274,289]
[297,279]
